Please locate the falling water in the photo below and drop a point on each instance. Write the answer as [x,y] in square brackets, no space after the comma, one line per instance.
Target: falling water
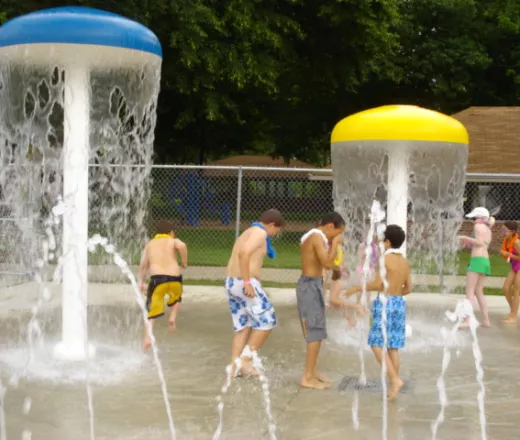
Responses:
[34,119]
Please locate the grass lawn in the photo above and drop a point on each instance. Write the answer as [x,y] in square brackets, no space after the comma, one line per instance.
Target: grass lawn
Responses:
[207,247]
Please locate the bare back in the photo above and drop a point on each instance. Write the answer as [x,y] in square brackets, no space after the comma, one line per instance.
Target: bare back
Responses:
[161,254]
[397,274]
[251,244]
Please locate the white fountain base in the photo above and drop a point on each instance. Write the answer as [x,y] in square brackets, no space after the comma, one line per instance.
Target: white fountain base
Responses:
[73,352]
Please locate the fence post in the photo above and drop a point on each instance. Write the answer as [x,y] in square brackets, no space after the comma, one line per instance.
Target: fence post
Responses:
[239,203]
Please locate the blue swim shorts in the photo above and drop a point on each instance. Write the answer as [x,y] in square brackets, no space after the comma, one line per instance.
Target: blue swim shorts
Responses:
[395,322]
[257,313]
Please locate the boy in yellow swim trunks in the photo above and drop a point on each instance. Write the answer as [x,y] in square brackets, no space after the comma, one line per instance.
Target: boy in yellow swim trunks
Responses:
[159,260]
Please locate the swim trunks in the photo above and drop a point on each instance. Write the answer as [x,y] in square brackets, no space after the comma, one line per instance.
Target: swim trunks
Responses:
[257,313]
[480,265]
[311,308]
[158,287]
[336,274]
[395,322]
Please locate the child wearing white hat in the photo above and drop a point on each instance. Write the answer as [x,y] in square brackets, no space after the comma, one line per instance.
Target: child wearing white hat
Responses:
[479,264]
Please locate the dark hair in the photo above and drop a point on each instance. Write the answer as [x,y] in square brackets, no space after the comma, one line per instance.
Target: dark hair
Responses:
[395,235]
[164,227]
[272,216]
[512,226]
[334,218]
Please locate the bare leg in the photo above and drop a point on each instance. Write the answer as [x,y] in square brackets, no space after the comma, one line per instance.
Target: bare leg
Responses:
[394,355]
[239,342]
[479,291]
[147,342]
[513,318]
[472,279]
[309,379]
[173,316]
[508,284]
[395,381]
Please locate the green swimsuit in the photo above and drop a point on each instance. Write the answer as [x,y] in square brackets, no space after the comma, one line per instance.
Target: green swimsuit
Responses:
[480,264]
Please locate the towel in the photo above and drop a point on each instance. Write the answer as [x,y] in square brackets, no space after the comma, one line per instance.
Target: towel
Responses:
[271,253]
[315,231]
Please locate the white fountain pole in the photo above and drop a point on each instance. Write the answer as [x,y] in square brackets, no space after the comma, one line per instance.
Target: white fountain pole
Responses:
[75,220]
[397,206]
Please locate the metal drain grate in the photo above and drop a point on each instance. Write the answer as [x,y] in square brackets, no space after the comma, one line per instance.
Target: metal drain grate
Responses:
[371,386]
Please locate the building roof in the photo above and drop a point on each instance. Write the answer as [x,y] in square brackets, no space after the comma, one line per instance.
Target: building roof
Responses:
[494,138]
[284,171]
[260,161]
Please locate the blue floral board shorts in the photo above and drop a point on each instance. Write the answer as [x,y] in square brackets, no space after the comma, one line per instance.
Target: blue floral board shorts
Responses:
[395,323]
[257,313]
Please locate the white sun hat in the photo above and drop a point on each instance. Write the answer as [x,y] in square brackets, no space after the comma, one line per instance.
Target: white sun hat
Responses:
[479,212]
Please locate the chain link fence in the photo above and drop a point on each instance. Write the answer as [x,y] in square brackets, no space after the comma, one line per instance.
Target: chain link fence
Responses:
[210,206]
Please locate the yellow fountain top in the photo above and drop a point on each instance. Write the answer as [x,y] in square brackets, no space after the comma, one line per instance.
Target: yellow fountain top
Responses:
[400,123]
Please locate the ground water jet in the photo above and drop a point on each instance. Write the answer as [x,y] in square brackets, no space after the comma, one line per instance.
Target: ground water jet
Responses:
[97,240]
[264,383]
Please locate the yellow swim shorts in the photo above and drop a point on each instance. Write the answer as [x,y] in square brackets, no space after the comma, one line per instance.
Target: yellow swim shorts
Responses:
[159,287]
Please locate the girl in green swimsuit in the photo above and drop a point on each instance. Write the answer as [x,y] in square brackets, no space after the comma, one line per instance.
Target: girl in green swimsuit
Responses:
[479,265]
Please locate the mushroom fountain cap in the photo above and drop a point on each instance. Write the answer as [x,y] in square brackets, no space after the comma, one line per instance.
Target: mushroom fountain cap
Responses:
[400,123]
[71,34]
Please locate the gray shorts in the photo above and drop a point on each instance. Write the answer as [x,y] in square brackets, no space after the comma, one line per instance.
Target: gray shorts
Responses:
[311,308]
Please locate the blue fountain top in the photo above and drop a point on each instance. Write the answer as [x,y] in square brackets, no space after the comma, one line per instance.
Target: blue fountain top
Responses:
[79,25]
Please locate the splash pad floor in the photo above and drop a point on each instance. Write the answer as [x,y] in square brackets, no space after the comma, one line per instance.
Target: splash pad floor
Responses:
[128,402]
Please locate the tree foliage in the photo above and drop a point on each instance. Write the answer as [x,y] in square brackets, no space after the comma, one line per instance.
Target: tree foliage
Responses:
[274,76]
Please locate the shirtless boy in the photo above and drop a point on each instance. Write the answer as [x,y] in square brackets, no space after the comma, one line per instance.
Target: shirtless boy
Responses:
[399,284]
[252,313]
[316,255]
[159,260]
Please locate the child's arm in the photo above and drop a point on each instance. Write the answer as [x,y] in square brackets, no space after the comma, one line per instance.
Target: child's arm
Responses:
[512,256]
[143,266]
[183,252]
[376,285]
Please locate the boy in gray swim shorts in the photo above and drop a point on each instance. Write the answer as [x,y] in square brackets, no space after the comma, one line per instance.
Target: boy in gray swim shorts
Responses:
[316,256]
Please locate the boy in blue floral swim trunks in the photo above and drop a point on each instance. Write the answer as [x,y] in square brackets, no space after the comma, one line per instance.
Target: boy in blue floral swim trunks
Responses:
[399,284]
[252,313]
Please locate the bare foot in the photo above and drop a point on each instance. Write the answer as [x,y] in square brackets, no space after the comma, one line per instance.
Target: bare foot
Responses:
[322,378]
[394,389]
[507,318]
[247,370]
[314,384]
[486,324]
[510,320]
[172,326]
[147,344]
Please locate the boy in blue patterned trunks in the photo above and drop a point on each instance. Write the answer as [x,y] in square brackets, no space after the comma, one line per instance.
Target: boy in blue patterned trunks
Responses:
[399,284]
[252,313]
